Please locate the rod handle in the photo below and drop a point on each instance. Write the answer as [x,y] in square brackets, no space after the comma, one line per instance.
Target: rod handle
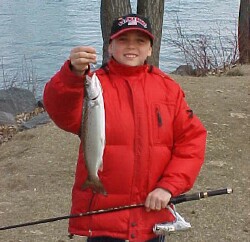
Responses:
[200,195]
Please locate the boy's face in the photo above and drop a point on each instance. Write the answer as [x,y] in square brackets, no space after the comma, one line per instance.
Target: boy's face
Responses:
[131,48]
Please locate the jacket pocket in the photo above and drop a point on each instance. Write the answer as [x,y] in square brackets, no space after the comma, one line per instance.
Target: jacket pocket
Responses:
[162,115]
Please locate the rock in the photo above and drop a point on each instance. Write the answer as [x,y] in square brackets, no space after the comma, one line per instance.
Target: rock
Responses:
[184,70]
[19,111]
[40,104]
[216,163]
[7,132]
[7,118]
[238,115]
[42,118]
[17,100]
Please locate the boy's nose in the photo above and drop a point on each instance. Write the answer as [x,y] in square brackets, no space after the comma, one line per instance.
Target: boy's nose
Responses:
[131,44]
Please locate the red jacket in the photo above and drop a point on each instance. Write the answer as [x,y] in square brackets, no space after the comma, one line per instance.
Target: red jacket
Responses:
[152,140]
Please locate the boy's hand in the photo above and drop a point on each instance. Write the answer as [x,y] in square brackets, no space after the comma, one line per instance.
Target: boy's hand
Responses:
[80,57]
[157,199]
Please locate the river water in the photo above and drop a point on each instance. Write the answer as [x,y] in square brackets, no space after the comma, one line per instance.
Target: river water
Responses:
[36,36]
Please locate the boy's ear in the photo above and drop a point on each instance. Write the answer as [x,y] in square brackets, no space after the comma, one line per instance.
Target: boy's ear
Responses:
[150,51]
[110,49]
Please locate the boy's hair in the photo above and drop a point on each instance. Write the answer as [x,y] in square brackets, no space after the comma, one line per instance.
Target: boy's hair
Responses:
[131,22]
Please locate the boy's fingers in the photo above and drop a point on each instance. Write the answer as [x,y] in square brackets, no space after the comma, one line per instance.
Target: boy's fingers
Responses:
[82,61]
[79,56]
[87,49]
[147,202]
[150,203]
[83,52]
[82,56]
[157,199]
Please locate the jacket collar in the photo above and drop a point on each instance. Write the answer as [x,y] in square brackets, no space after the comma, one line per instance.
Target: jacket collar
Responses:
[125,70]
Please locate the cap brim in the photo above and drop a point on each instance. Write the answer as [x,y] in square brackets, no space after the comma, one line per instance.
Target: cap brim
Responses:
[129,29]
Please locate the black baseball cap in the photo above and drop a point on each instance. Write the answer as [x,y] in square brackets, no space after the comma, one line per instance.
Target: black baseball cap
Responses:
[131,22]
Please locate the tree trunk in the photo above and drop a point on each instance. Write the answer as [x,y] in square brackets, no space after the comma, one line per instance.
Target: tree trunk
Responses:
[244,31]
[111,9]
[154,10]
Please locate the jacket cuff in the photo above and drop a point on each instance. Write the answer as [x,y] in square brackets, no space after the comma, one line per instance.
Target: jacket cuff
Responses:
[170,188]
[70,78]
[84,73]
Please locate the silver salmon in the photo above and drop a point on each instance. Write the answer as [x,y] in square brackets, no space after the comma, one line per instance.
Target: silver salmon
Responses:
[93,132]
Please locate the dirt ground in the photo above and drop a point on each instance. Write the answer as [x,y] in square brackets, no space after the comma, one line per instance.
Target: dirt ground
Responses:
[37,170]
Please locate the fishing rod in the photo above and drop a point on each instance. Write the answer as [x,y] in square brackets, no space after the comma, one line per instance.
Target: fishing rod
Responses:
[175,200]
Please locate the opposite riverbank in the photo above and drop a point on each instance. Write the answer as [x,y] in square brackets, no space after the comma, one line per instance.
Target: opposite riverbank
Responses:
[37,169]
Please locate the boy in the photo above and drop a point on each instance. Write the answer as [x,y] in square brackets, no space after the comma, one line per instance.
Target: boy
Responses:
[155,145]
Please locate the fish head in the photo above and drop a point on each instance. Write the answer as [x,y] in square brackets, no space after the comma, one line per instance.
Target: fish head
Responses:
[92,87]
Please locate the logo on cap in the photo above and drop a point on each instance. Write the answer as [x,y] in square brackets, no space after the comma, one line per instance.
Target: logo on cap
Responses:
[132,21]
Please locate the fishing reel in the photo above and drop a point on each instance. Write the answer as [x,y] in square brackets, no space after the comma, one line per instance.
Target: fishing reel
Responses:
[179,224]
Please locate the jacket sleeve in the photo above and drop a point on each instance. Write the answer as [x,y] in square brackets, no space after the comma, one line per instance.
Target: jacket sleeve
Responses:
[188,150]
[63,99]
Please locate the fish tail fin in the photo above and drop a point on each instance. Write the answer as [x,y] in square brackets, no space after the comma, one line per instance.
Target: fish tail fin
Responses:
[96,185]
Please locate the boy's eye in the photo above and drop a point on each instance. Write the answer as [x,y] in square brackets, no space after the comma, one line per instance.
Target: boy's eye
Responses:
[141,40]
[121,38]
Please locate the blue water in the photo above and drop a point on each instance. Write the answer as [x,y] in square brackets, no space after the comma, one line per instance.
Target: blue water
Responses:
[37,36]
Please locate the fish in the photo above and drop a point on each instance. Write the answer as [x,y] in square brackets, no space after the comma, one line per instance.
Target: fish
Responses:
[93,133]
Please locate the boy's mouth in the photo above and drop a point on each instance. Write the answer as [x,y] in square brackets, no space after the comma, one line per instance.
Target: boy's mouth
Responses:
[130,56]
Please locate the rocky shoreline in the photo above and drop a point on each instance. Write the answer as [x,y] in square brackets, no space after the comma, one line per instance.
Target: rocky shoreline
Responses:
[19,110]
